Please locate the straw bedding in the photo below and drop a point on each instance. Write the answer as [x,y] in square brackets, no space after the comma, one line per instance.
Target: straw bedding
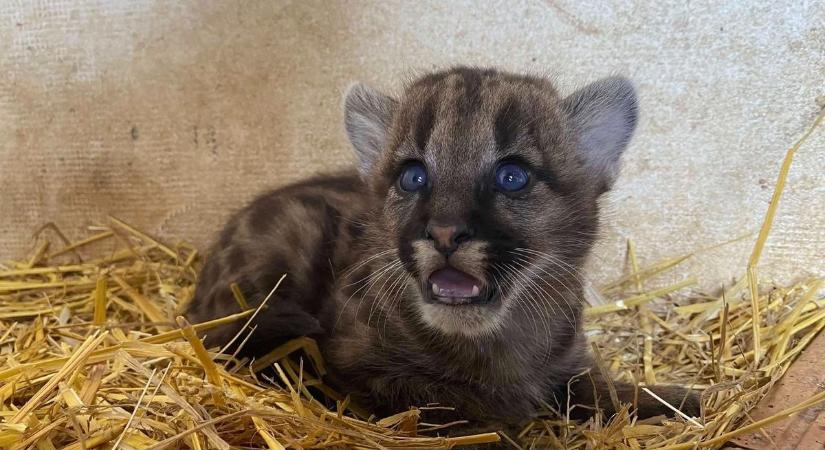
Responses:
[92,355]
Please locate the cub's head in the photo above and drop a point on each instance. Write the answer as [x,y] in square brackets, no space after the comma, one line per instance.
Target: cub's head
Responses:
[489,184]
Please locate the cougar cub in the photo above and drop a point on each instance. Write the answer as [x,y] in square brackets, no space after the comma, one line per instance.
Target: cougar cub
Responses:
[444,269]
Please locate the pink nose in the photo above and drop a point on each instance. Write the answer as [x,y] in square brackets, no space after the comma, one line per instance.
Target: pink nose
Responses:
[448,237]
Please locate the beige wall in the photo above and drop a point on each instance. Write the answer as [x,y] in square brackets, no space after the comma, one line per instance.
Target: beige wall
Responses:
[170,114]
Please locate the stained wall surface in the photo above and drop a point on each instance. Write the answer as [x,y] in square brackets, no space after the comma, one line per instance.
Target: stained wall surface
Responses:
[171,114]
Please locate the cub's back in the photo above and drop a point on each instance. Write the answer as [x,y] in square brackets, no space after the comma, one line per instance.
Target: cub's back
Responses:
[302,230]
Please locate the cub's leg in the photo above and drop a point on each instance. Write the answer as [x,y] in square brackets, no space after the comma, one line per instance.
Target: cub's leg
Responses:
[591,390]
[294,231]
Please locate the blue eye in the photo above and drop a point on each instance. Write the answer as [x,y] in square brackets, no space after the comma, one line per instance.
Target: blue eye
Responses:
[511,177]
[413,178]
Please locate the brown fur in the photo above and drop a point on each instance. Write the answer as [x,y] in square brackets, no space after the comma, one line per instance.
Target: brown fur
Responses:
[357,255]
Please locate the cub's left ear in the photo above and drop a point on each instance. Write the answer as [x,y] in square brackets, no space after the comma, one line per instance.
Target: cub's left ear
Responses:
[604,116]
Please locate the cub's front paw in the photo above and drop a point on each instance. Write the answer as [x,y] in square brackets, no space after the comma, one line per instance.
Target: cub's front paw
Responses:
[687,401]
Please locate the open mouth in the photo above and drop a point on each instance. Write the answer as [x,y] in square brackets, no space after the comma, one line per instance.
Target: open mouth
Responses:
[450,286]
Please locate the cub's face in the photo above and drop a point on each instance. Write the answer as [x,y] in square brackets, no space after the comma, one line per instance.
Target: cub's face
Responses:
[489,183]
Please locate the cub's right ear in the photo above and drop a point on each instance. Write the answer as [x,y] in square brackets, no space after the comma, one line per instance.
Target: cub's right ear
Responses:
[367,117]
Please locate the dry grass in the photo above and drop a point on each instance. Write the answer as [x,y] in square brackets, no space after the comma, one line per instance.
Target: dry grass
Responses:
[91,356]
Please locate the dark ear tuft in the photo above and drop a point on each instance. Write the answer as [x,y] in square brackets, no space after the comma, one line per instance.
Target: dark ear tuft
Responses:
[367,117]
[603,115]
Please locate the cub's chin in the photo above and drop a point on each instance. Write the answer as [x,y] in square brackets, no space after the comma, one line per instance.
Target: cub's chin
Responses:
[456,303]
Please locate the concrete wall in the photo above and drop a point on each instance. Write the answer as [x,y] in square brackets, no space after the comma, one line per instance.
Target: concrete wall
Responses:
[170,114]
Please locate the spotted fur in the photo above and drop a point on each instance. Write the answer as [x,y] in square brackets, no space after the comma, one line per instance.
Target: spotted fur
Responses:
[357,255]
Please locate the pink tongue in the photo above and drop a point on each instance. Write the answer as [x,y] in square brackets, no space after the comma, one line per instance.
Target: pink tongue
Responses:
[449,282]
